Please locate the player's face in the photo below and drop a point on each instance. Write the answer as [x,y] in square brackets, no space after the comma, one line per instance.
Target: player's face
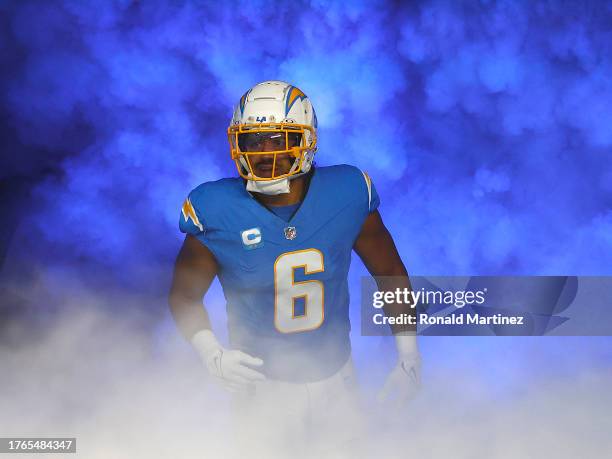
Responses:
[263,165]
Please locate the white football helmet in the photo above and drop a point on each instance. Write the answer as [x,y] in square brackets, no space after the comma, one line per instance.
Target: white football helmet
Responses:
[281,115]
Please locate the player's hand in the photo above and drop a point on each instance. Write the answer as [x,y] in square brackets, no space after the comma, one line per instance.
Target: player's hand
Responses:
[231,368]
[403,383]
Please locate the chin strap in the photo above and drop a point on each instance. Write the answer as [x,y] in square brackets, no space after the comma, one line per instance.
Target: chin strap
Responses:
[272,187]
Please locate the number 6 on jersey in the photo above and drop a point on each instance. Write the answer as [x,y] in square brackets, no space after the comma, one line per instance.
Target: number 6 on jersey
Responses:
[286,291]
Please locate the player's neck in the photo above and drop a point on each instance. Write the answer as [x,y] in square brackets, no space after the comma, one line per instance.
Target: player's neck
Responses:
[296,193]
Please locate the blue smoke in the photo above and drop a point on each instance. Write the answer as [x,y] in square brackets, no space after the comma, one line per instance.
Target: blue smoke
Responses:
[485,126]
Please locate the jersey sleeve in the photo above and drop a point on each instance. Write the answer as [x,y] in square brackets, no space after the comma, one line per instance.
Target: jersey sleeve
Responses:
[373,199]
[190,219]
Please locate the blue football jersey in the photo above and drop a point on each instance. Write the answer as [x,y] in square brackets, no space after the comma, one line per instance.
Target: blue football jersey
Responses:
[285,282]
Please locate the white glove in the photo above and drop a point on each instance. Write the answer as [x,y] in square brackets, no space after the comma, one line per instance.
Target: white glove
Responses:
[404,381]
[228,367]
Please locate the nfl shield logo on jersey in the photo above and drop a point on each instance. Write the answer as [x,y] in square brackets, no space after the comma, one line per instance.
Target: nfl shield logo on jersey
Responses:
[290,232]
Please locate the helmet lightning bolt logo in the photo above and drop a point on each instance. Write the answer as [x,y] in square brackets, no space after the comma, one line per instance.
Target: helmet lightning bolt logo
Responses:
[243,100]
[189,213]
[293,95]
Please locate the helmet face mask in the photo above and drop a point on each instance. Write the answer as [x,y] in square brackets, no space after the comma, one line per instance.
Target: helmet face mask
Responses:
[275,144]
[260,141]
[273,132]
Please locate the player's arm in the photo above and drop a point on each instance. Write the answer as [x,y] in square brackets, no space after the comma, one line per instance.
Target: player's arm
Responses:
[194,271]
[376,248]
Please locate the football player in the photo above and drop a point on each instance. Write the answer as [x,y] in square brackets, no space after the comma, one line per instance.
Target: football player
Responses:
[280,237]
